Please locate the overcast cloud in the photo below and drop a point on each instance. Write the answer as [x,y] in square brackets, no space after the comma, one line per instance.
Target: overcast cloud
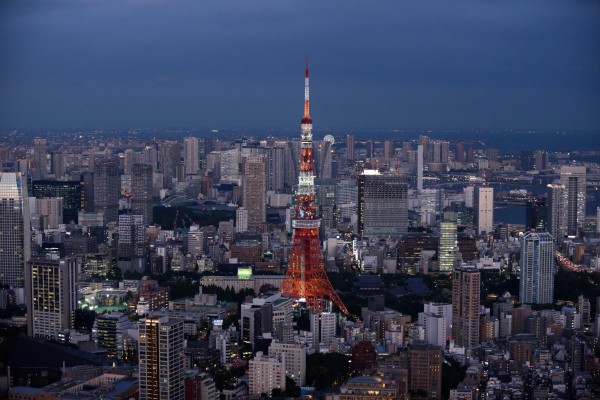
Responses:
[239,63]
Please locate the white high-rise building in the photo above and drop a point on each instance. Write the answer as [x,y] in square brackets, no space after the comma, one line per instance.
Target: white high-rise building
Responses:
[266,373]
[322,326]
[161,358]
[435,328]
[484,209]
[443,309]
[537,268]
[51,296]
[294,358]
[241,220]
[190,155]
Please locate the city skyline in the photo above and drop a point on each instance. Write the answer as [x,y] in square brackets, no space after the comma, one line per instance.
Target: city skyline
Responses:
[402,65]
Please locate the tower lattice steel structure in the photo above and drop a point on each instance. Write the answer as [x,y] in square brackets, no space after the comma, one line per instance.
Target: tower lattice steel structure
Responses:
[306,278]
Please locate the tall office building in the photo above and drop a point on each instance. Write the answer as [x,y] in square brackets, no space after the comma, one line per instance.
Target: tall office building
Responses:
[71,191]
[459,153]
[254,196]
[169,159]
[131,248]
[537,268]
[387,149]
[484,209]
[322,158]
[275,168]
[527,160]
[466,286]
[50,211]
[51,292]
[161,358]
[141,190]
[536,214]
[420,150]
[350,147]
[40,158]
[448,247]
[573,179]
[190,155]
[57,162]
[107,189]
[370,149]
[15,235]
[557,211]
[108,331]
[382,204]
[541,160]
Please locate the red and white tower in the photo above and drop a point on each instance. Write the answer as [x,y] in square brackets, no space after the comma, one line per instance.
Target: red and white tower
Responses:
[306,278]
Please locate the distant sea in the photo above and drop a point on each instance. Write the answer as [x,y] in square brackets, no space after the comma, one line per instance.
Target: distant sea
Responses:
[515,214]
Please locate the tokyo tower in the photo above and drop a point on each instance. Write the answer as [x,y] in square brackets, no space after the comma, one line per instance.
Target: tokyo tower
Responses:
[306,278]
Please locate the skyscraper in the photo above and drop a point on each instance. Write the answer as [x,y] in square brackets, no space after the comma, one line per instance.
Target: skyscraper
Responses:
[448,247]
[350,147]
[387,149]
[15,236]
[322,158]
[484,209]
[40,158]
[169,159]
[161,358]
[466,286]
[573,179]
[420,167]
[254,196]
[537,268]
[141,190]
[190,155]
[536,214]
[51,294]
[131,248]
[71,192]
[107,189]
[556,210]
[382,204]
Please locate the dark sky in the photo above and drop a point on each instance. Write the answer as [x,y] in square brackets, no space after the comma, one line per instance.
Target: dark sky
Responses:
[240,63]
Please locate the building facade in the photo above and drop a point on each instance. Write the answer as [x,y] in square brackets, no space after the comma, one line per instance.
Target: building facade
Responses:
[382,204]
[484,209]
[51,295]
[161,359]
[15,236]
[466,287]
[537,268]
